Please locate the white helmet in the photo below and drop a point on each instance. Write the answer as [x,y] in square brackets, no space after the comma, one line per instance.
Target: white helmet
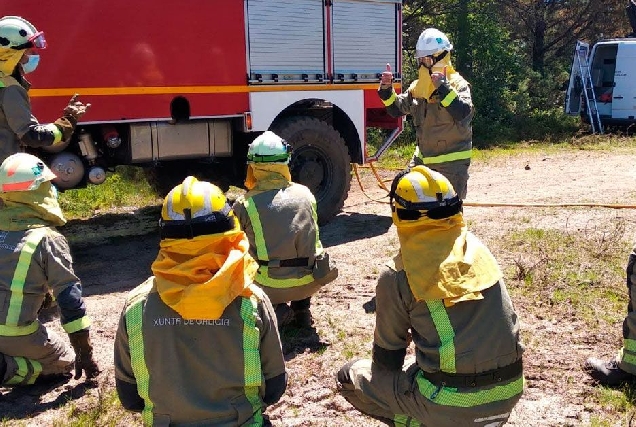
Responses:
[431,42]
[269,148]
[23,172]
[19,34]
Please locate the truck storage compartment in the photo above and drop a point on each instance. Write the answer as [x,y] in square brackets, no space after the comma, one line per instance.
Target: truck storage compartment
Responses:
[292,52]
[364,38]
[166,141]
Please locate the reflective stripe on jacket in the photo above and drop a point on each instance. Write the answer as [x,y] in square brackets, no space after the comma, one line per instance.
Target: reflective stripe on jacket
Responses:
[10,326]
[32,262]
[204,372]
[443,158]
[281,225]
[442,127]
[467,338]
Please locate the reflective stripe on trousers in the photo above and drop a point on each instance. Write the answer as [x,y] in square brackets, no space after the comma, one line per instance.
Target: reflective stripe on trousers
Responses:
[28,371]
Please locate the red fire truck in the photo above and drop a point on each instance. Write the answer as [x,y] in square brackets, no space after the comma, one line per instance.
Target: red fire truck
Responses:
[182,87]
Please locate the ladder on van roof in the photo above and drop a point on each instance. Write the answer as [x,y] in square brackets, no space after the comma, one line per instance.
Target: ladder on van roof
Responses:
[588,89]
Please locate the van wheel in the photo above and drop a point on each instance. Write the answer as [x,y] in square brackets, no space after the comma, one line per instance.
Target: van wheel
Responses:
[320,161]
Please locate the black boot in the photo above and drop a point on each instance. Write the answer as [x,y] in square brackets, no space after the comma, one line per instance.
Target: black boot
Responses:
[284,315]
[3,368]
[302,315]
[607,373]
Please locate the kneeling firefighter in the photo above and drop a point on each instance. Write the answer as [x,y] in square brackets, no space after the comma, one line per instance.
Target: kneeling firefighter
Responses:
[197,343]
[444,292]
[281,223]
[34,261]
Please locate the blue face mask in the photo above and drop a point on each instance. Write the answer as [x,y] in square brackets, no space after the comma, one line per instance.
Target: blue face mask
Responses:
[31,64]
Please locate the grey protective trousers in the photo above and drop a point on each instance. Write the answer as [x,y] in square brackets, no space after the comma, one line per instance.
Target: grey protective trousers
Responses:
[40,353]
[394,397]
[456,172]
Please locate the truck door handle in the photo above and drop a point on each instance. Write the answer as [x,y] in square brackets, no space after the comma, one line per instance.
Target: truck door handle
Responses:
[618,97]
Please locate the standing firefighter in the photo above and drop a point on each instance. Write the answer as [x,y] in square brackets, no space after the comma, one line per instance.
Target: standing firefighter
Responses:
[19,45]
[444,291]
[622,368]
[280,220]
[35,260]
[197,343]
[441,107]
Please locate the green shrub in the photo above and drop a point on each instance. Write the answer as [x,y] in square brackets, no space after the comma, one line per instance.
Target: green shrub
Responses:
[126,186]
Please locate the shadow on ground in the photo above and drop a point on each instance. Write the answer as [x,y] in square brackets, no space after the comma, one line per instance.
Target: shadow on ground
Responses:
[350,226]
[297,340]
[113,252]
[25,402]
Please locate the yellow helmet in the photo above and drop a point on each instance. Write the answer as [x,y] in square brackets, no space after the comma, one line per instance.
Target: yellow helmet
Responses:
[194,208]
[23,172]
[421,191]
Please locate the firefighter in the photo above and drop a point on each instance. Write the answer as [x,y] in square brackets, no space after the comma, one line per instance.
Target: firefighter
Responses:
[622,368]
[20,43]
[35,260]
[441,108]
[281,223]
[444,292]
[197,342]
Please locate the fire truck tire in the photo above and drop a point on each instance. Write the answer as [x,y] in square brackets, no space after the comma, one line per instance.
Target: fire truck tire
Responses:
[320,161]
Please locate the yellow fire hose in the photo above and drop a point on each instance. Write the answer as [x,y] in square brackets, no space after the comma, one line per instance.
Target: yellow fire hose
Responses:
[486,204]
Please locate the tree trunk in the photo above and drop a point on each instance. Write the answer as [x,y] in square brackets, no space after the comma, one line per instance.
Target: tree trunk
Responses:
[538,44]
[462,45]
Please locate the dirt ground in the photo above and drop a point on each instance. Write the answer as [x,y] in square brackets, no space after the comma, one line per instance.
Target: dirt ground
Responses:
[113,254]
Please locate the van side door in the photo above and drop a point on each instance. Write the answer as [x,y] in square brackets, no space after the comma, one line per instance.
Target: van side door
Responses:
[624,95]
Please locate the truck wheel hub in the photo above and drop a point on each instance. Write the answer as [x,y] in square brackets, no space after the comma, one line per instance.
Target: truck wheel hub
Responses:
[311,175]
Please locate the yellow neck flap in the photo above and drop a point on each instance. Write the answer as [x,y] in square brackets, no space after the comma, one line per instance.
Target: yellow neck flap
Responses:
[423,87]
[22,210]
[200,277]
[264,177]
[443,260]
[9,59]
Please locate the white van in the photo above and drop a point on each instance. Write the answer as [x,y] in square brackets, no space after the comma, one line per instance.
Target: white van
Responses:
[603,81]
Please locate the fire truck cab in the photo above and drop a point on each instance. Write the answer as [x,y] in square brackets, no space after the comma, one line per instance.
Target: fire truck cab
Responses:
[183,87]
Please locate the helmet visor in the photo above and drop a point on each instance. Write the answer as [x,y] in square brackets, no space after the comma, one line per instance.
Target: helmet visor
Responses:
[37,40]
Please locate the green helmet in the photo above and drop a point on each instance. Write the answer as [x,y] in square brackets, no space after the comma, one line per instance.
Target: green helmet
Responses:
[269,148]
[19,34]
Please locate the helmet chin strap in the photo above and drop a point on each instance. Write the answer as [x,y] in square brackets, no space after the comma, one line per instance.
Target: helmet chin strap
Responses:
[436,59]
